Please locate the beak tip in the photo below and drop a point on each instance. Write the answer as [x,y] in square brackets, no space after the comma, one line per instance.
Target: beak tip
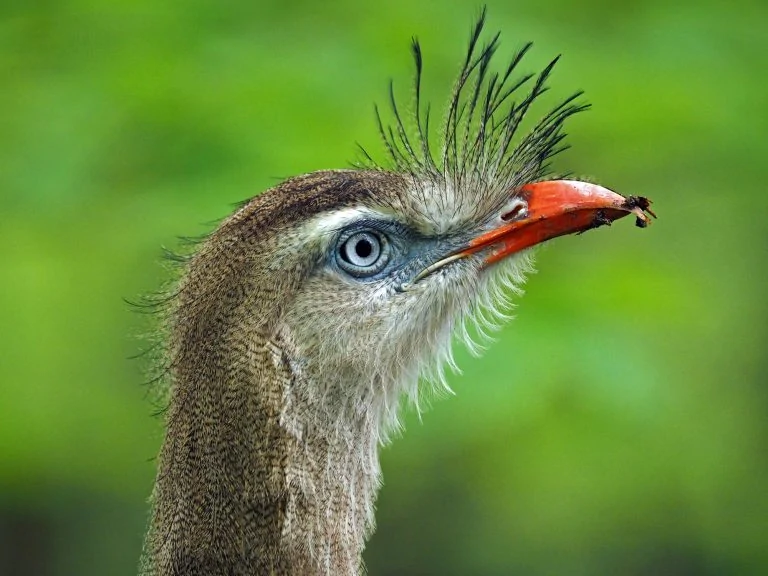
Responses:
[640,206]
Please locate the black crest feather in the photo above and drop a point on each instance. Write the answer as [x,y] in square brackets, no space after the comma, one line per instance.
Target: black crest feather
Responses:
[479,139]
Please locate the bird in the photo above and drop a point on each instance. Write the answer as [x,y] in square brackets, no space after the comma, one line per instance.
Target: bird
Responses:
[296,328]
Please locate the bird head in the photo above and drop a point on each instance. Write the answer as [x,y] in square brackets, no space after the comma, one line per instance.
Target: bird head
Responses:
[365,275]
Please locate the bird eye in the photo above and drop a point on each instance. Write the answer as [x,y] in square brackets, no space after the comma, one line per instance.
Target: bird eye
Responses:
[363,253]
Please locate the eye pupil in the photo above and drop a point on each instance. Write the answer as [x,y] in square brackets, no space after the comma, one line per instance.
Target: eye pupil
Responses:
[363,248]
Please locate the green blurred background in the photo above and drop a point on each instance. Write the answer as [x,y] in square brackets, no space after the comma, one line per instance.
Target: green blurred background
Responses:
[619,424]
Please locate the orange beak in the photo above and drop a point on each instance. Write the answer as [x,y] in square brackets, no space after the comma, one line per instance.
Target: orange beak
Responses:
[550,209]
[556,208]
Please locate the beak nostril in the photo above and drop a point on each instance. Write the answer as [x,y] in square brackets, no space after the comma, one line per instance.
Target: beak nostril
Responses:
[518,209]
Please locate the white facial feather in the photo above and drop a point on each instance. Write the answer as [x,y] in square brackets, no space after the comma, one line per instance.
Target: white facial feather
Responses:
[373,344]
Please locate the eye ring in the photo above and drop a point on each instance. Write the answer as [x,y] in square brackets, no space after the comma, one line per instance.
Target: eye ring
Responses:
[362,253]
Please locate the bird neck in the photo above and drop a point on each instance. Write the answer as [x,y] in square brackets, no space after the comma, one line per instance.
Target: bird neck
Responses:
[255,475]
